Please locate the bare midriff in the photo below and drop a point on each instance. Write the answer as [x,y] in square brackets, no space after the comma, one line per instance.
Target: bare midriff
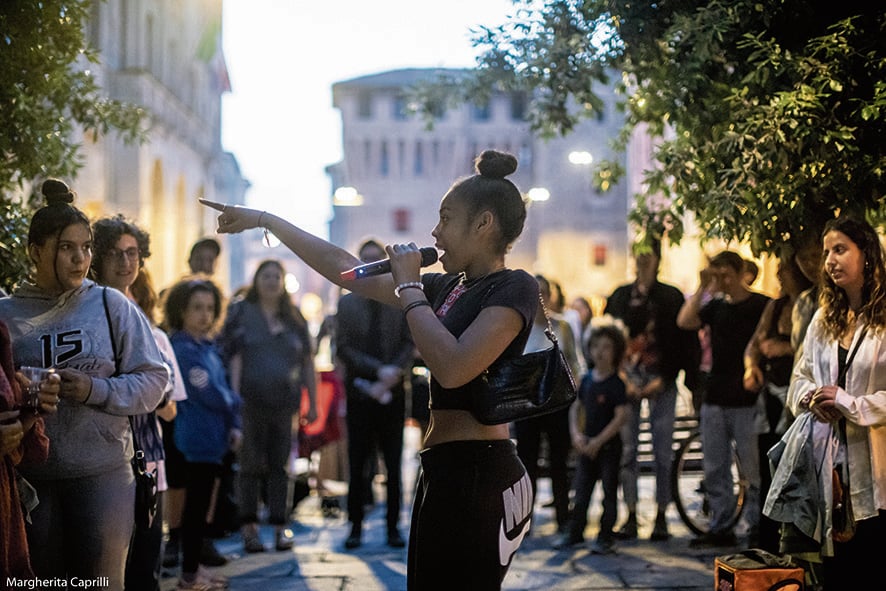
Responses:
[460,425]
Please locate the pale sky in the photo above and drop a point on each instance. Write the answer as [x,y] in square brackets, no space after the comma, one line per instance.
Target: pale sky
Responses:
[283,57]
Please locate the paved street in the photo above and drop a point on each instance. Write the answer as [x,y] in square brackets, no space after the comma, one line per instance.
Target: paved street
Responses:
[319,562]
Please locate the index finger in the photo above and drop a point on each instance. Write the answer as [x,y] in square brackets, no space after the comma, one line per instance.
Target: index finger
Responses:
[213,204]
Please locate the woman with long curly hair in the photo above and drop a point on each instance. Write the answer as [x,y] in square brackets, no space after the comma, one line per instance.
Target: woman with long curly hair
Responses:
[839,379]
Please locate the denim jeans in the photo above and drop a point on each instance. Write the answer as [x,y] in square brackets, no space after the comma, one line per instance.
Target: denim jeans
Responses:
[82,526]
[721,427]
[662,410]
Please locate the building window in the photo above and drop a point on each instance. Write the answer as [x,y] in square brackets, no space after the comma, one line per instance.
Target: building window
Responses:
[599,255]
[481,112]
[401,157]
[402,219]
[367,155]
[400,108]
[518,106]
[364,105]
[384,163]
[419,163]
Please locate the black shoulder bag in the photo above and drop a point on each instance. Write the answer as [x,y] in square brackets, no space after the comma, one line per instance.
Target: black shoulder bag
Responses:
[146,492]
[531,385]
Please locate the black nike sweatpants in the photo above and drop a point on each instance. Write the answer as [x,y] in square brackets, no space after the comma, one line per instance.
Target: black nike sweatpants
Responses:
[473,503]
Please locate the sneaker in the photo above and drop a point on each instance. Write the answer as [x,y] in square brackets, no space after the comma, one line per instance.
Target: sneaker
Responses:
[567,541]
[283,539]
[251,540]
[202,581]
[395,540]
[714,540]
[209,556]
[603,546]
[660,532]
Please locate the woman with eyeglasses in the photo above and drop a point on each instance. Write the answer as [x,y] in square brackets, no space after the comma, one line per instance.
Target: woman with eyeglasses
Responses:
[101,346]
[120,248]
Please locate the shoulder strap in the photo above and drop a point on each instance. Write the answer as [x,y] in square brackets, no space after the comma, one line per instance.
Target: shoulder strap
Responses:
[135,444]
[852,355]
[549,331]
[110,329]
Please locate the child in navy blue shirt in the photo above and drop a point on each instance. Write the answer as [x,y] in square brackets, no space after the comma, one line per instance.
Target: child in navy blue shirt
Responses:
[604,404]
[208,422]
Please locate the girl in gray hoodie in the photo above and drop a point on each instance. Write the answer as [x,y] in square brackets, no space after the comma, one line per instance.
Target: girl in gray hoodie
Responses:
[102,348]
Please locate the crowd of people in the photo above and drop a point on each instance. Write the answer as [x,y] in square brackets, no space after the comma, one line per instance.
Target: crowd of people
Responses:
[213,390]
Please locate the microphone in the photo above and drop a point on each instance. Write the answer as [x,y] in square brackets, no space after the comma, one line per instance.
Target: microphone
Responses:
[428,257]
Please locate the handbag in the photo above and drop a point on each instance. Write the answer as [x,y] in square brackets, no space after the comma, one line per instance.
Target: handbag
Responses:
[757,570]
[146,492]
[531,385]
[842,519]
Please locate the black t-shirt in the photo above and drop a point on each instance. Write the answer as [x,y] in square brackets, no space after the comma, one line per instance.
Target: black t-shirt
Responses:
[457,303]
[732,325]
[599,400]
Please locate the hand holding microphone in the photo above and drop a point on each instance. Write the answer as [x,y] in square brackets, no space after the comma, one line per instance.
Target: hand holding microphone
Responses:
[428,257]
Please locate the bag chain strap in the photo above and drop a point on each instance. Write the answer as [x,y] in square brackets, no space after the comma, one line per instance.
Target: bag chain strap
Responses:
[549,331]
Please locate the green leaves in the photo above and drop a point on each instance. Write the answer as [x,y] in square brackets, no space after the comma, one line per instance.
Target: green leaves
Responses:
[770,115]
[47,91]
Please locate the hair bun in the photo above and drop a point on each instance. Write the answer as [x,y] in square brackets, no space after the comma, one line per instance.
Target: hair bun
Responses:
[495,165]
[56,192]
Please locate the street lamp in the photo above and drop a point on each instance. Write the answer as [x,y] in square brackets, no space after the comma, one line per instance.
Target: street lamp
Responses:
[539,194]
[581,157]
[347,197]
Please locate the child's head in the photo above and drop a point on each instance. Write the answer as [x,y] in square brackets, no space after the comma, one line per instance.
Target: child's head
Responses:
[193,305]
[607,346]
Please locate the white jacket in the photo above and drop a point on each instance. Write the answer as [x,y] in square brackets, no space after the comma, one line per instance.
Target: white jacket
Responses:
[863,403]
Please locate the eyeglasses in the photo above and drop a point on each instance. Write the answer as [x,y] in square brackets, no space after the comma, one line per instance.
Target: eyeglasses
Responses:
[131,254]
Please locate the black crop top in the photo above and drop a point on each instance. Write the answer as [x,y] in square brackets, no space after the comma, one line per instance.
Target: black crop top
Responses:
[457,303]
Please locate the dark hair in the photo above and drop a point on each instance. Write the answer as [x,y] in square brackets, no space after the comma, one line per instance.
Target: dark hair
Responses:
[489,190]
[370,243]
[751,268]
[834,301]
[50,220]
[543,283]
[179,295]
[288,311]
[105,234]
[144,294]
[210,243]
[614,334]
[728,258]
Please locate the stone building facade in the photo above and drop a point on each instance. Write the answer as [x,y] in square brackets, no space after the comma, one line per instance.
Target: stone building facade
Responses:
[166,57]
[401,170]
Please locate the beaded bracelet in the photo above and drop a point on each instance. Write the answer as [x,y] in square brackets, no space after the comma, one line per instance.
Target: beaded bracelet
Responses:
[416,304]
[407,285]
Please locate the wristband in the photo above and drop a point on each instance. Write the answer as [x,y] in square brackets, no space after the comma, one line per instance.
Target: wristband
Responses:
[416,304]
[407,285]
[264,229]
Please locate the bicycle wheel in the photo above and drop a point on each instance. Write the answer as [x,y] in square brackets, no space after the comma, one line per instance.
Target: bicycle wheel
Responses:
[687,484]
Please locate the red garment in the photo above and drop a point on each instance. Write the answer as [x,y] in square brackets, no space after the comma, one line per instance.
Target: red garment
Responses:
[14,558]
[326,428]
